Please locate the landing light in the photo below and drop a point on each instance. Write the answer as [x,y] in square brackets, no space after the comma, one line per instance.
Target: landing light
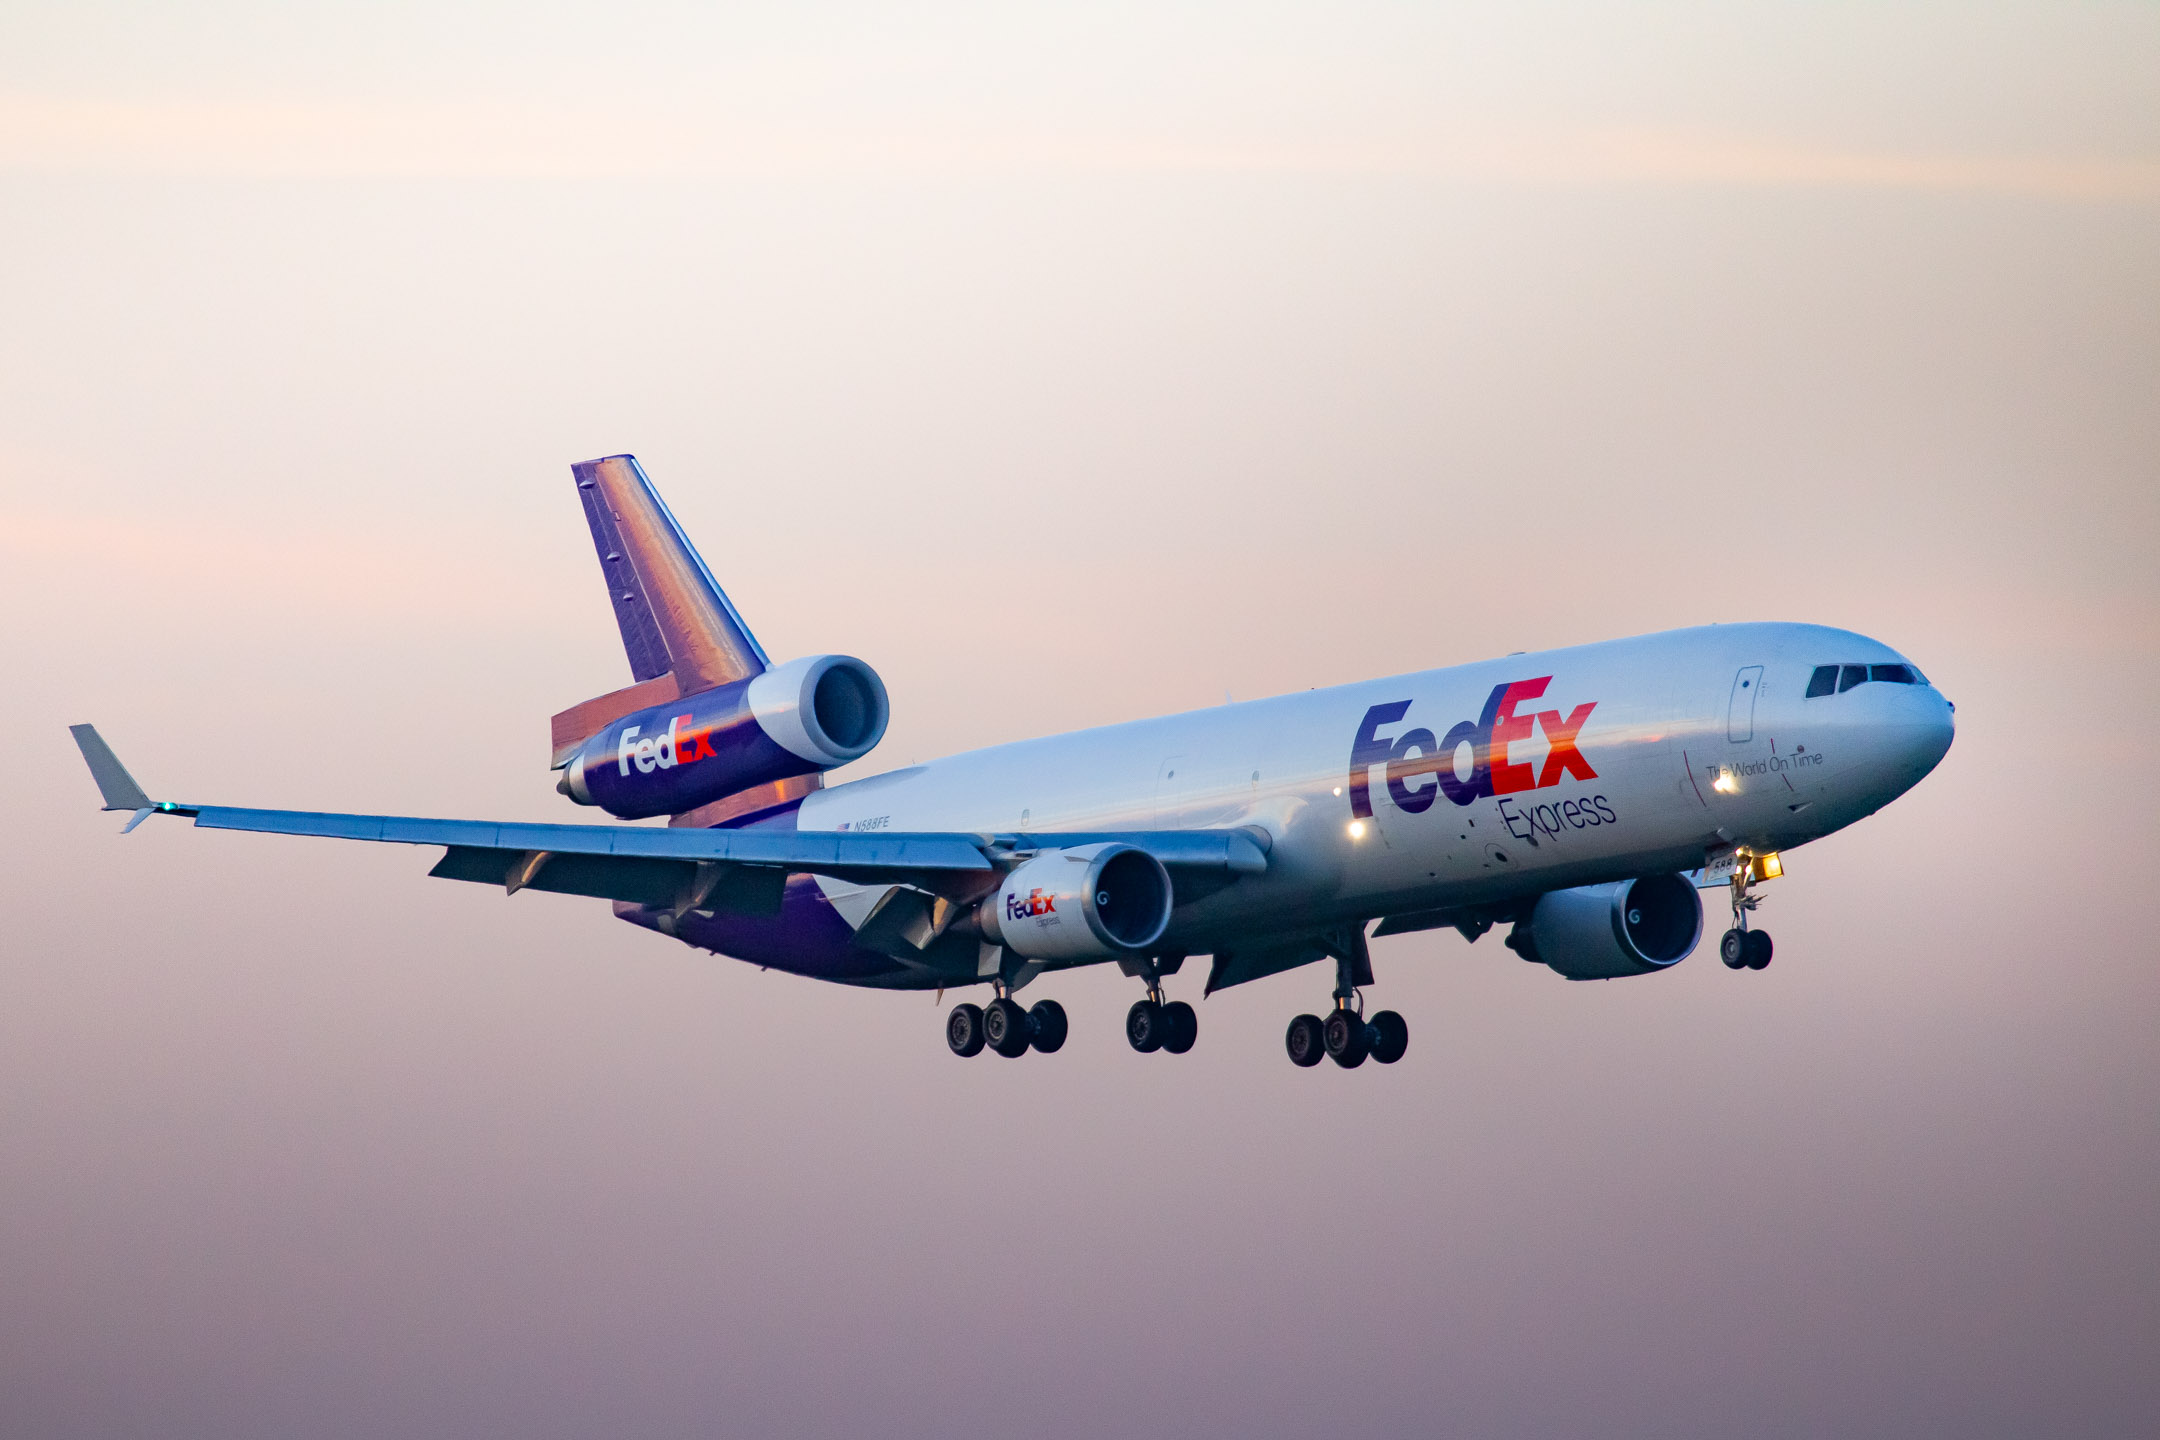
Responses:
[1724,784]
[1357,829]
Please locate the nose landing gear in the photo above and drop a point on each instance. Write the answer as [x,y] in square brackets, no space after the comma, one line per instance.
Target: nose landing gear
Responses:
[1346,1036]
[1741,948]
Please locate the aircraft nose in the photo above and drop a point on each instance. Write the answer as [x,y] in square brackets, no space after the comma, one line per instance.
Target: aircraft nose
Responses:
[1933,735]
[1924,730]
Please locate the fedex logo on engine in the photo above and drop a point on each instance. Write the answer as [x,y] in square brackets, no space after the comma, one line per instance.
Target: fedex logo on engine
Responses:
[665,751]
[1420,767]
[1022,907]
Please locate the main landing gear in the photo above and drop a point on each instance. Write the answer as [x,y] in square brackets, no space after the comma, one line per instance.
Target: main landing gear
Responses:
[1006,1028]
[1346,1036]
[1741,948]
[1154,1023]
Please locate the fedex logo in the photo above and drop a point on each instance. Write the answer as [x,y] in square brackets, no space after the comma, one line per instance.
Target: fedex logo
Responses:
[662,752]
[1419,767]
[1034,903]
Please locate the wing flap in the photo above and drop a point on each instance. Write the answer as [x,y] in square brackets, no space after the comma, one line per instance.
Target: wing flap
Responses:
[641,880]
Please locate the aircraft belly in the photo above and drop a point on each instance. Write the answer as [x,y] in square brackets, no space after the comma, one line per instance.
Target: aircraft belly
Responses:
[807,937]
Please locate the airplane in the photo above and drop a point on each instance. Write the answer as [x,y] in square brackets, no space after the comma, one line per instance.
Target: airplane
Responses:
[1581,797]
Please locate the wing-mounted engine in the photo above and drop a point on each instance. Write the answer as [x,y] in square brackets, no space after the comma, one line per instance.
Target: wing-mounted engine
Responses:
[1602,932]
[801,718]
[1088,902]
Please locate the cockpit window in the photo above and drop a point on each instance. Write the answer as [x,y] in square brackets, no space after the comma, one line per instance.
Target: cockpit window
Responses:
[1837,679]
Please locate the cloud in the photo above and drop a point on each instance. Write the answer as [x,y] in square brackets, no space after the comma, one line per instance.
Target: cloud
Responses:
[43,135]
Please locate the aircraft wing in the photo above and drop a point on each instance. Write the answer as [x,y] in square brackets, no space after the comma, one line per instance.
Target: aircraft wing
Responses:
[684,868]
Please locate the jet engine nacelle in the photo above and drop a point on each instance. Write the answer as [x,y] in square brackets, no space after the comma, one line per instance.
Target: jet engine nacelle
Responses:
[796,719]
[1085,903]
[1602,932]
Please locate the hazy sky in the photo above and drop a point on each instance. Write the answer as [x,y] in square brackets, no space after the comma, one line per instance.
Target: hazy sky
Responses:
[1070,367]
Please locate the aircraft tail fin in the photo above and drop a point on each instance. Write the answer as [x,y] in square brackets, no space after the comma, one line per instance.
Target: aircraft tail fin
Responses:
[675,618]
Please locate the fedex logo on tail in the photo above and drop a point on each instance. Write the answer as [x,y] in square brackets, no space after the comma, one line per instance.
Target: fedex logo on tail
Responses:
[662,752]
[1420,767]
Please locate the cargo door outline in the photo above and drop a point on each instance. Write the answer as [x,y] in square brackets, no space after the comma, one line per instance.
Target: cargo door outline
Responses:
[1740,712]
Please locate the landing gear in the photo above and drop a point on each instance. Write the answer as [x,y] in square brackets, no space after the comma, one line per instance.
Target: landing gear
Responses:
[1306,1042]
[1388,1037]
[1758,949]
[1346,1036]
[1146,1027]
[1006,1028]
[964,1030]
[1741,948]
[1155,1023]
[1745,949]
[1183,1027]
[1047,1020]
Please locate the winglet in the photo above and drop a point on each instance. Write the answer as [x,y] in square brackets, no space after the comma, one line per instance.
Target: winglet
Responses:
[113,781]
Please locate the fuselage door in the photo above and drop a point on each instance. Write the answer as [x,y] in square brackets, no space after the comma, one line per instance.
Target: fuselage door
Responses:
[1740,714]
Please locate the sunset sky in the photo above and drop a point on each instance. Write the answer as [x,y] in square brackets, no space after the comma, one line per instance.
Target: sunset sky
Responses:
[1070,366]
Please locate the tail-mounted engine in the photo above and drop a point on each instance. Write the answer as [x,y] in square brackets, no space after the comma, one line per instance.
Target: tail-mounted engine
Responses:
[1085,903]
[797,719]
[1602,932]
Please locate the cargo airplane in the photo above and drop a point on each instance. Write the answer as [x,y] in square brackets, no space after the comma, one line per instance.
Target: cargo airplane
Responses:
[1583,798]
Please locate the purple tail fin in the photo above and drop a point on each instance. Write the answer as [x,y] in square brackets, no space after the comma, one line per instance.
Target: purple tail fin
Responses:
[678,629]
[675,618]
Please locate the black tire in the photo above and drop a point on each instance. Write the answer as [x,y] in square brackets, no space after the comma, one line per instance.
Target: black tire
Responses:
[1758,949]
[964,1030]
[1047,1023]
[1392,1039]
[1005,1027]
[1144,1026]
[1180,1026]
[1307,1046]
[1344,1032]
[1732,949]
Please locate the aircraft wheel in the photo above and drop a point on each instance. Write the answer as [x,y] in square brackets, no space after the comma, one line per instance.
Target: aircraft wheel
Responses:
[1391,1036]
[1046,1022]
[1305,1042]
[1180,1027]
[1144,1026]
[1005,1027]
[1758,949]
[964,1030]
[1732,949]
[1344,1032]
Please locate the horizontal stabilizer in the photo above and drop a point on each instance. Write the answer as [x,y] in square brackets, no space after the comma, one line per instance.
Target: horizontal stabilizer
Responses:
[571,728]
[113,781]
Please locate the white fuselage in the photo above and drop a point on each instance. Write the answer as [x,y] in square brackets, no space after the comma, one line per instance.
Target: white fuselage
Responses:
[1684,744]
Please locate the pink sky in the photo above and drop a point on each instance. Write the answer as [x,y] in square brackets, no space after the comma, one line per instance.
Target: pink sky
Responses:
[1069,369]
